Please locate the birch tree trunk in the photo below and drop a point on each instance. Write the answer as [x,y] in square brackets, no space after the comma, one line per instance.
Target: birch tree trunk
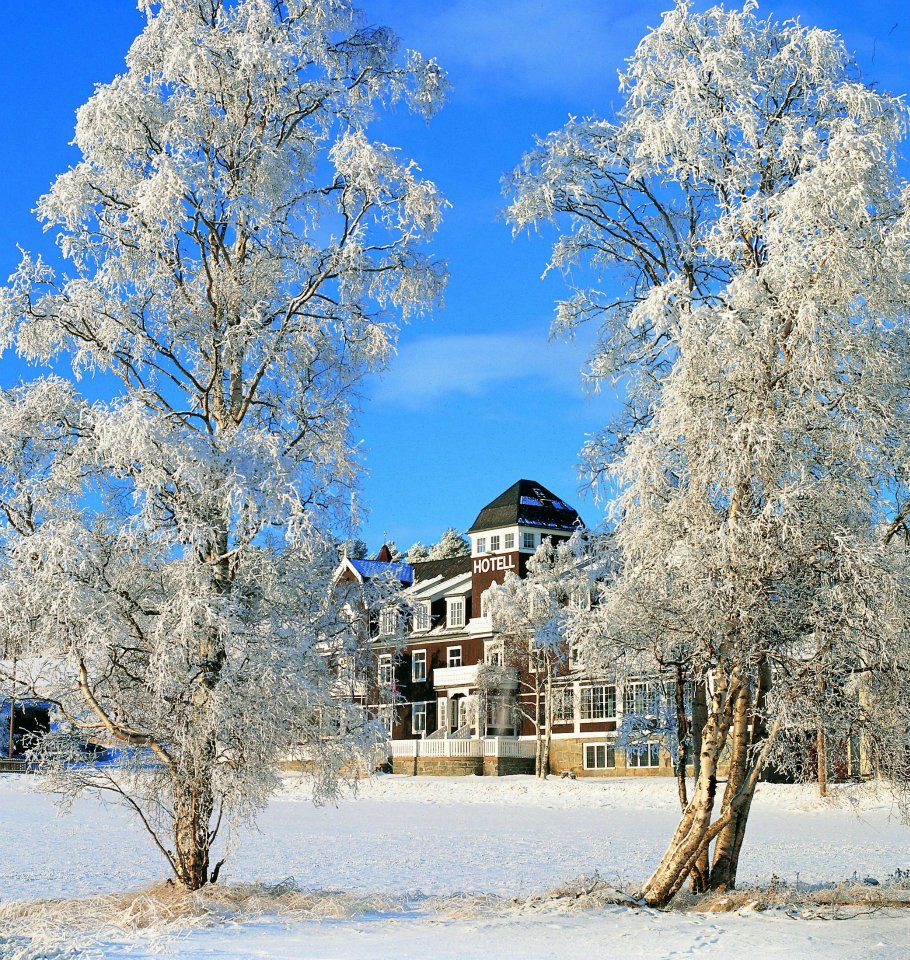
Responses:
[821,746]
[682,738]
[193,808]
[699,876]
[693,833]
[749,766]
[548,736]
[720,878]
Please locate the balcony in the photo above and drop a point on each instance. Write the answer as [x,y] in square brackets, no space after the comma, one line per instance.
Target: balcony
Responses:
[444,677]
[506,678]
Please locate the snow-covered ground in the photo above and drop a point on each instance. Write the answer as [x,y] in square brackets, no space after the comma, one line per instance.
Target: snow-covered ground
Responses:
[413,840]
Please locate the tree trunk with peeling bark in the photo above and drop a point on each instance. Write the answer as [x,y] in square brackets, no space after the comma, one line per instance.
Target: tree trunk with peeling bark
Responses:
[720,876]
[692,834]
[701,868]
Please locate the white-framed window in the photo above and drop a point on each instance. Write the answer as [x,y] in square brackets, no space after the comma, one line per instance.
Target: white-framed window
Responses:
[453,656]
[537,657]
[481,544]
[538,603]
[494,543]
[422,615]
[643,755]
[580,598]
[388,621]
[418,718]
[385,670]
[598,702]
[563,705]
[600,756]
[528,540]
[386,717]
[442,713]
[419,666]
[493,653]
[641,698]
[508,541]
[345,668]
[455,611]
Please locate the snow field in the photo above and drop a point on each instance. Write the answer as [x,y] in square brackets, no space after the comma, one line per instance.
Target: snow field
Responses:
[406,841]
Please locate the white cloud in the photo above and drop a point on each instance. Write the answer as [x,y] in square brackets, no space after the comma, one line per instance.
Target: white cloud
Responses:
[431,369]
[534,47]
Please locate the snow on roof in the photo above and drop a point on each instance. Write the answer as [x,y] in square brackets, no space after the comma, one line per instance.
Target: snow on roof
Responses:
[530,504]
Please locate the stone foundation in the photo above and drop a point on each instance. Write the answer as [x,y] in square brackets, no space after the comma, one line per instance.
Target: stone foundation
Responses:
[461,766]
[506,766]
[568,756]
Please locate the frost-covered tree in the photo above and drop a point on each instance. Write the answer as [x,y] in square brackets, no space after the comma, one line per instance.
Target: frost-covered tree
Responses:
[451,544]
[417,553]
[238,253]
[747,196]
[353,547]
[531,616]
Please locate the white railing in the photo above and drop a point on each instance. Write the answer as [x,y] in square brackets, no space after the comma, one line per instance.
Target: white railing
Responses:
[488,747]
[509,747]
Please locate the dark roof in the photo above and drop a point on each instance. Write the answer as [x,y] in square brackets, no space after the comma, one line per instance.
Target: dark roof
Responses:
[377,568]
[530,504]
[450,567]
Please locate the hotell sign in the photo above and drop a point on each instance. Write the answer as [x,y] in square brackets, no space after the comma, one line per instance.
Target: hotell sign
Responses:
[500,564]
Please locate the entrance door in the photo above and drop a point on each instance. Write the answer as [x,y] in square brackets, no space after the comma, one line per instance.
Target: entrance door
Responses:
[457,712]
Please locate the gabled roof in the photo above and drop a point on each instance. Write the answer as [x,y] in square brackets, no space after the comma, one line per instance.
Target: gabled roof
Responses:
[450,567]
[438,587]
[378,568]
[527,503]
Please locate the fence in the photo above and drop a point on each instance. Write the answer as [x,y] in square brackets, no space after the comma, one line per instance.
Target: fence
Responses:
[16,766]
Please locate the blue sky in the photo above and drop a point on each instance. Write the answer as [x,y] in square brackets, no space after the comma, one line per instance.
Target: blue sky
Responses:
[476,397]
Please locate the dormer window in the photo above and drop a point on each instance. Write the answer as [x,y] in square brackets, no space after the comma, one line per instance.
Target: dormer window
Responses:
[388,621]
[422,615]
[481,544]
[455,611]
[494,543]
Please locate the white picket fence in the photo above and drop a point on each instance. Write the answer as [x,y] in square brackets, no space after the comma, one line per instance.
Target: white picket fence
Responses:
[487,747]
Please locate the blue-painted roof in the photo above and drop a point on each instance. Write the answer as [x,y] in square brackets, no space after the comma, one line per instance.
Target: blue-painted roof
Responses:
[377,568]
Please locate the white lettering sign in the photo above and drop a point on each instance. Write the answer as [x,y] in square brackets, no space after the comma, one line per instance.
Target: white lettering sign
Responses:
[494,564]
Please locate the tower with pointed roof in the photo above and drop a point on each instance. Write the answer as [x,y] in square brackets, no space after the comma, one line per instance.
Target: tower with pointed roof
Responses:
[510,528]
